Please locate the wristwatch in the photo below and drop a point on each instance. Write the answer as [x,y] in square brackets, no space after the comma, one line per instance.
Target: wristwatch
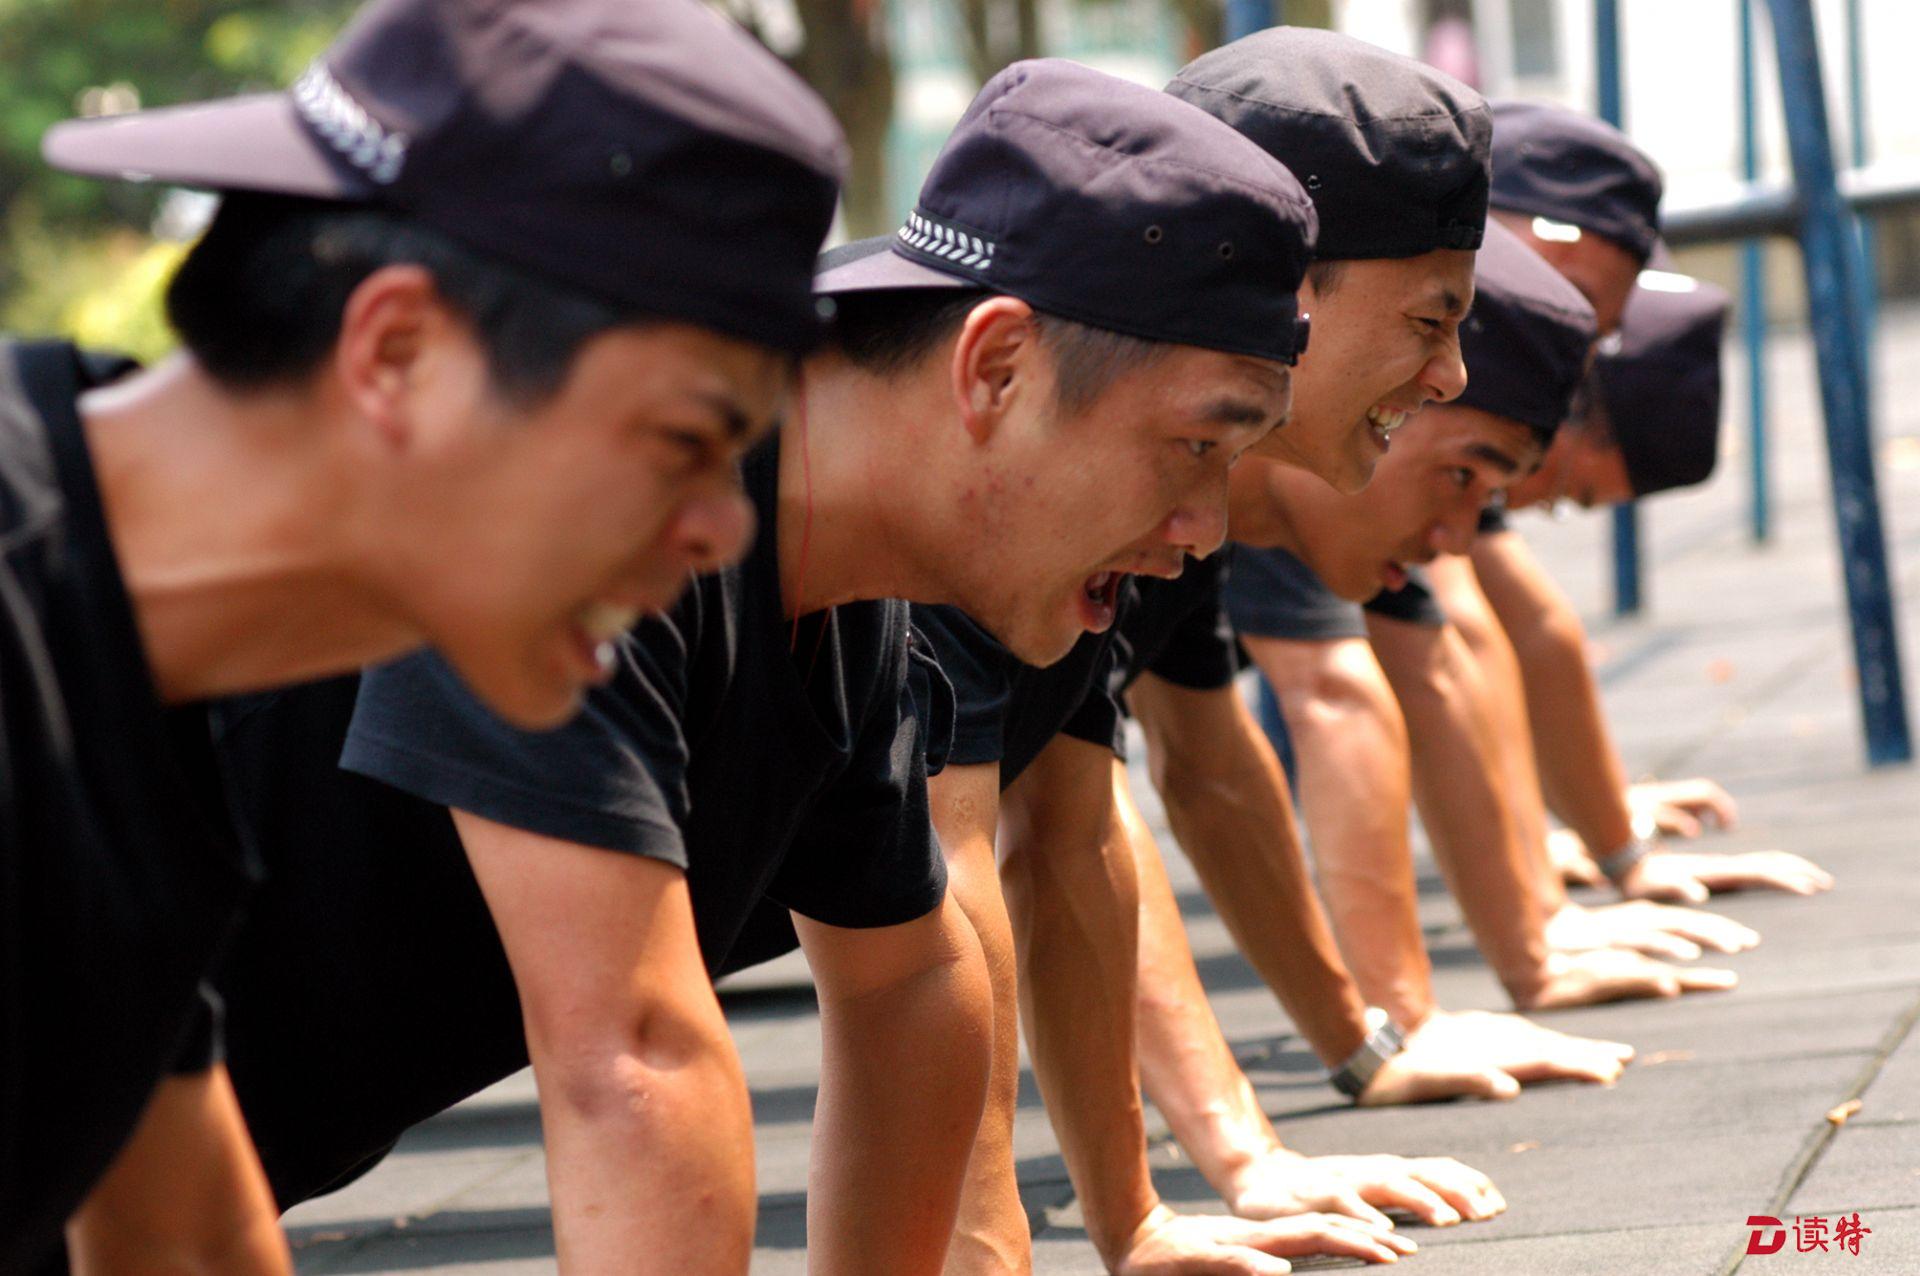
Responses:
[1384,1040]
[1618,864]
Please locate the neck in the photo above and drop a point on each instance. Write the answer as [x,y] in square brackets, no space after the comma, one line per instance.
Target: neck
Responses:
[1259,509]
[847,460]
[230,524]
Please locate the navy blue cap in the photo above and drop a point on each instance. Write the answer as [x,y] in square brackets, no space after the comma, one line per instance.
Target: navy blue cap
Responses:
[1393,152]
[1660,387]
[1104,202]
[651,154]
[1527,339]
[1570,167]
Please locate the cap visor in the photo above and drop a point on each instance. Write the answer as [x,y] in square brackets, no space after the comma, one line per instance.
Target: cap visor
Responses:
[252,143]
[871,265]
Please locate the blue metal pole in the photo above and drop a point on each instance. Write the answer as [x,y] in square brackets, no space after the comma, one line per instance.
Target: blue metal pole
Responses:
[1244,17]
[1626,518]
[1866,276]
[1831,296]
[1753,291]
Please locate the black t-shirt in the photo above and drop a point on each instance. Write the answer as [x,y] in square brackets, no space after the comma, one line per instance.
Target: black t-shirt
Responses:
[1007,711]
[1178,629]
[369,990]
[1275,595]
[761,765]
[119,879]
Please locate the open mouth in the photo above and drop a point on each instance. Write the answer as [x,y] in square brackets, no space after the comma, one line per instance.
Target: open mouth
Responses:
[1393,576]
[593,630]
[1382,422]
[1100,600]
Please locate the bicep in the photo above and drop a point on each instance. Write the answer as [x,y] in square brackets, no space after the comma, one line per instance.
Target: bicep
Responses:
[966,807]
[592,935]
[849,963]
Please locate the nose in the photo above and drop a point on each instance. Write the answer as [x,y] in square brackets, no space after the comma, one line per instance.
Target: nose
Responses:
[1454,533]
[712,531]
[1445,375]
[1199,525]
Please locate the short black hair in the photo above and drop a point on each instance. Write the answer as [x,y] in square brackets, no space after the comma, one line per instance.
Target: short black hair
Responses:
[259,299]
[887,331]
[1325,275]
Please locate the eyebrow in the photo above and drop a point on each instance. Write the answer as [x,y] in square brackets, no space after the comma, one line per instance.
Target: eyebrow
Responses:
[1493,456]
[737,423]
[1236,412]
[1453,305]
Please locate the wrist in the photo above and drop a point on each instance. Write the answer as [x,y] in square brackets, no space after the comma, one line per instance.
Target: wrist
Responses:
[1383,1041]
[1156,1217]
[1619,864]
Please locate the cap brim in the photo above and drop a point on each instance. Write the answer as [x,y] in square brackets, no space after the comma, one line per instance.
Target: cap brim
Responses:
[871,265]
[252,143]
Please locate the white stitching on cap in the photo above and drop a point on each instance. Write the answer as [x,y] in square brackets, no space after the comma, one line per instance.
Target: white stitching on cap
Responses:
[962,248]
[365,142]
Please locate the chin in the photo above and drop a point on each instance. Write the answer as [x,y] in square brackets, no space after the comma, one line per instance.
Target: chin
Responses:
[532,699]
[1038,641]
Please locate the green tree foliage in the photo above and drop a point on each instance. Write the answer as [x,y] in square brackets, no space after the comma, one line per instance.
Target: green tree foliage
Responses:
[75,256]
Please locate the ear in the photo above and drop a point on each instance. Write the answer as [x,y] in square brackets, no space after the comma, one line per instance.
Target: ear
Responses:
[996,359]
[391,320]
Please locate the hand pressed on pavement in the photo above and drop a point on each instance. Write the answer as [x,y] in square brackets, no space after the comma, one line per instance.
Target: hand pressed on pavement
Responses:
[1169,1244]
[1682,808]
[1613,974]
[1506,1050]
[1571,861]
[1658,930]
[1438,1190]
[1689,877]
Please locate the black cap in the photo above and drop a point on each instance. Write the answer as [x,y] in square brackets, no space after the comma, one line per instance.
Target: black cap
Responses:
[1660,388]
[650,154]
[1527,338]
[1393,152]
[1569,167]
[1104,202]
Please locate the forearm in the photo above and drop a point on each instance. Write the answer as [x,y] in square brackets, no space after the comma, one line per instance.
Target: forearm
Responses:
[904,1074]
[648,1131]
[1581,775]
[991,1234]
[649,1150]
[185,1197]
[1189,1071]
[1074,902]
[1227,804]
[1351,751]
[1464,789]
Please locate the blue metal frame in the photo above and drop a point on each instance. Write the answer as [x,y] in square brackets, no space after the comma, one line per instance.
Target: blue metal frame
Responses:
[1753,294]
[1244,17]
[1829,254]
[1607,92]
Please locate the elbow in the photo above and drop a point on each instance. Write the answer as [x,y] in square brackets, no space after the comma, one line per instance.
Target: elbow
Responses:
[1555,636]
[626,1070]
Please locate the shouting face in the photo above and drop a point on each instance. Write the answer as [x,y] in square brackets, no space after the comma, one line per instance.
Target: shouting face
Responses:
[1066,495]
[524,536]
[1386,340]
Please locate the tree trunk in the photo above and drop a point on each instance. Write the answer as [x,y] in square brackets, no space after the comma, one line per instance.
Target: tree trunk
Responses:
[847,60]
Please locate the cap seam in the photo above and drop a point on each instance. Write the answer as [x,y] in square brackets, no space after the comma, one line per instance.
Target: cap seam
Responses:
[1457,113]
[1303,201]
